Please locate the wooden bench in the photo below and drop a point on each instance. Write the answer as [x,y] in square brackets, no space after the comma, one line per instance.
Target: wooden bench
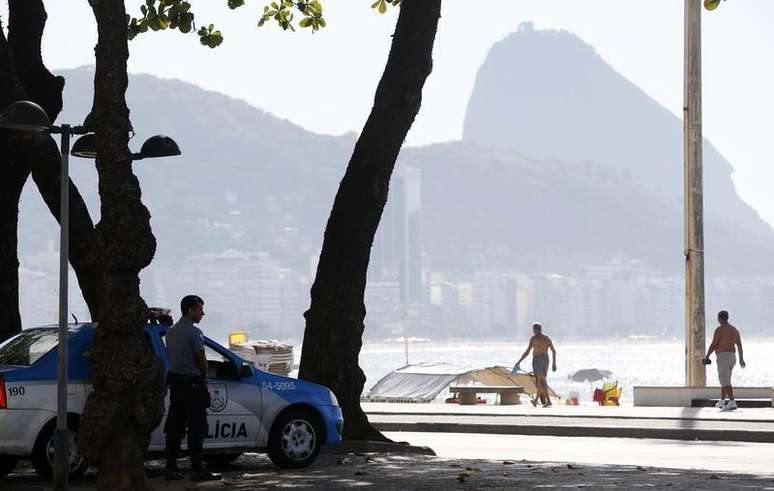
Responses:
[509,394]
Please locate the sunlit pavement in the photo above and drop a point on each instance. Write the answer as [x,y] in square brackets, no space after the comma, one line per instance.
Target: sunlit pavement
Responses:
[754,458]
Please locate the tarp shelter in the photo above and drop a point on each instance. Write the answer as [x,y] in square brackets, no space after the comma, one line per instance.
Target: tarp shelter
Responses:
[424,381]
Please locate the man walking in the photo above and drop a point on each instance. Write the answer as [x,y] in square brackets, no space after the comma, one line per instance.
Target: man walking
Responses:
[539,344]
[188,394]
[724,344]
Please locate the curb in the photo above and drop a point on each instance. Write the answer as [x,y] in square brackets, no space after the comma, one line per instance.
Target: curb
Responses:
[583,431]
[364,447]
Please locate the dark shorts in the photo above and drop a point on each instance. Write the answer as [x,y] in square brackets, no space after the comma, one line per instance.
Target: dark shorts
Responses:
[540,364]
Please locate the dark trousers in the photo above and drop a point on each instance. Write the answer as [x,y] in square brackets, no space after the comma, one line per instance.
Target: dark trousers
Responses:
[188,403]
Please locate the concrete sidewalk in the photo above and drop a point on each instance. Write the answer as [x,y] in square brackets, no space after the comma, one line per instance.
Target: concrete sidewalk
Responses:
[745,424]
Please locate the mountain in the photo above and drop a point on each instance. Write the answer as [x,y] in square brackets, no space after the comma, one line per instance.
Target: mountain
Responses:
[247,180]
[547,94]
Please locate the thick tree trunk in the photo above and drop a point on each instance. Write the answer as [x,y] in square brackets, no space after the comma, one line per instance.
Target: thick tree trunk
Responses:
[13,175]
[128,398]
[334,321]
[26,21]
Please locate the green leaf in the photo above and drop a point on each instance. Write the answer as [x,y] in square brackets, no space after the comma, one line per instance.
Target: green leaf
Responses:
[306,22]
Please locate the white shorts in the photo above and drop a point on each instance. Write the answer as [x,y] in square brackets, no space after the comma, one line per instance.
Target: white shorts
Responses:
[726,361]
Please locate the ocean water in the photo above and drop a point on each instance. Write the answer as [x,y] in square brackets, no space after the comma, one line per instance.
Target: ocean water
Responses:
[632,362]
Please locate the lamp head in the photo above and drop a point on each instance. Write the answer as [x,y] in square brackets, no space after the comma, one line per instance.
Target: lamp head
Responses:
[85,147]
[158,146]
[24,116]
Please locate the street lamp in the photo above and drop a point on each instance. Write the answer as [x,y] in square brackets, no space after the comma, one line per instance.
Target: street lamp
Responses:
[155,146]
[30,117]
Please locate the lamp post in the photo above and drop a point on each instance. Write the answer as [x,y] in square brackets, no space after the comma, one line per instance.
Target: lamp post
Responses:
[29,117]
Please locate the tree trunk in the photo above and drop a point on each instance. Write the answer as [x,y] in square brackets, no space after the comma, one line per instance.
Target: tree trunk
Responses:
[13,175]
[334,321]
[23,76]
[128,398]
[27,22]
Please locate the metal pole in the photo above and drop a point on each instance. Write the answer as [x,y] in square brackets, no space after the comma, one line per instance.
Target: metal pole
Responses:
[695,374]
[62,435]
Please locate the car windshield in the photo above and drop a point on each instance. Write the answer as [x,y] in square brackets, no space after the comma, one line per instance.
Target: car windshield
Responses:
[28,347]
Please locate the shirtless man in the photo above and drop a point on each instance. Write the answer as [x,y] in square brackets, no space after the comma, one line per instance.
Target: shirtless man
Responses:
[540,343]
[724,342]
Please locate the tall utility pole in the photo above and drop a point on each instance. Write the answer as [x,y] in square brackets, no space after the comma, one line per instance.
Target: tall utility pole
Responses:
[695,374]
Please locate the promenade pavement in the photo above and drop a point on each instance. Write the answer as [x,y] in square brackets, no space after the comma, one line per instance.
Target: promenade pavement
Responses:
[710,424]
[419,472]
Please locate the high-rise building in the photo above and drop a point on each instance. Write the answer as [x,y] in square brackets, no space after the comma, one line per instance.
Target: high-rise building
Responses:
[397,251]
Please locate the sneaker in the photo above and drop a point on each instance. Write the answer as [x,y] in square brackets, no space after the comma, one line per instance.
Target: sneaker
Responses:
[173,475]
[202,475]
[721,404]
[730,406]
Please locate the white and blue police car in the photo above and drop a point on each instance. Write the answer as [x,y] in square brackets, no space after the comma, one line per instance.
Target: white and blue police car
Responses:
[251,410]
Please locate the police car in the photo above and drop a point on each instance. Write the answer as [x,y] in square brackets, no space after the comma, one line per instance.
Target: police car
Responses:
[251,410]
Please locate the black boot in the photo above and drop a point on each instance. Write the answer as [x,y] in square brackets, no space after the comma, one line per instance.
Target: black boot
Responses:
[205,475]
[199,473]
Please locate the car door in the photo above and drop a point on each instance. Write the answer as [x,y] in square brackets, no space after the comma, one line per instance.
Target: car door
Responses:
[233,415]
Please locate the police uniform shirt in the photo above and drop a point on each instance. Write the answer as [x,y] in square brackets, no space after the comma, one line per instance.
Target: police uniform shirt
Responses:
[184,341]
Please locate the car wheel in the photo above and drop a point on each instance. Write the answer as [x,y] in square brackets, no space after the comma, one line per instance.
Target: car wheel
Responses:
[221,459]
[7,464]
[295,439]
[43,452]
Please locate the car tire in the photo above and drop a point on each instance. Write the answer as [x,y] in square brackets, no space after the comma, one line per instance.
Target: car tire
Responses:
[221,459]
[7,464]
[296,438]
[43,452]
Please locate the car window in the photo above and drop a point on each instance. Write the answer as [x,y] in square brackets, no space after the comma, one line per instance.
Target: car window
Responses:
[219,366]
[28,347]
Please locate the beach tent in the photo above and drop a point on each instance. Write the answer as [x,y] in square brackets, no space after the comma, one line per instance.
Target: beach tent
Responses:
[424,381]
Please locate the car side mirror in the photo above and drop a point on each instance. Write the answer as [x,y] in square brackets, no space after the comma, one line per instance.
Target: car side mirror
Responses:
[246,371]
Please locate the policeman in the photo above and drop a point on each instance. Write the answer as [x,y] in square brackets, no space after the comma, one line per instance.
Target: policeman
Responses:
[189,397]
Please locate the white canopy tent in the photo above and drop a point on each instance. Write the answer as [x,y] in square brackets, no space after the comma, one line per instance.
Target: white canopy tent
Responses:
[423,382]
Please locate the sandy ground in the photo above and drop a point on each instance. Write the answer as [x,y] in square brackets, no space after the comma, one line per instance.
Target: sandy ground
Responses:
[372,471]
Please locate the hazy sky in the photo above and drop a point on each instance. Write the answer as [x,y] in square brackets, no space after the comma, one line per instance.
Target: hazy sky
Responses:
[325,82]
